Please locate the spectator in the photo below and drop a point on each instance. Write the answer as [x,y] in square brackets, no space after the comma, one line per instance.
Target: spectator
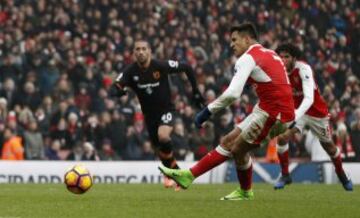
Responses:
[34,144]
[137,136]
[13,149]
[29,97]
[89,152]
[76,153]
[8,92]
[202,140]
[62,134]
[107,152]
[3,109]
[147,151]
[52,152]
[68,49]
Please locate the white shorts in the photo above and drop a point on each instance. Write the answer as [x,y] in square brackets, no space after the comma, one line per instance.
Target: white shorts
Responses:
[257,125]
[319,126]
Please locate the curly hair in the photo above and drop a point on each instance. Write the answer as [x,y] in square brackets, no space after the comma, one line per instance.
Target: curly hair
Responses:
[293,50]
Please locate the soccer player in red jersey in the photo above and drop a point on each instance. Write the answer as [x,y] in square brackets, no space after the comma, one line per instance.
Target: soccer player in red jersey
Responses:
[311,110]
[264,69]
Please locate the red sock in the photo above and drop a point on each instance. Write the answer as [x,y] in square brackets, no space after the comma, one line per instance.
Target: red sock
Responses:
[209,161]
[336,159]
[283,154]
[245,177]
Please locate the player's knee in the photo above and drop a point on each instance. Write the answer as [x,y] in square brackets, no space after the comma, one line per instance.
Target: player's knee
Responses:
[226,143]
[239,149]
[283,139]
[164,137]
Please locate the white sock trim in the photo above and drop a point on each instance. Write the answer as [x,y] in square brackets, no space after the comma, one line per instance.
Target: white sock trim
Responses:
[282,148]
[337,153]
[246,166]
[222,151]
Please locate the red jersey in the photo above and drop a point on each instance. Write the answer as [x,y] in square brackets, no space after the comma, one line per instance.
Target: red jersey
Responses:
[271,83]
[305,87]
[265,70]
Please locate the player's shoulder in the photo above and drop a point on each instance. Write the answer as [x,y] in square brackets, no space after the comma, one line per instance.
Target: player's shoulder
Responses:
[129,68]
[260,53]
[244,59]
[165,64]
[258,49]
[301,63]
[303,66]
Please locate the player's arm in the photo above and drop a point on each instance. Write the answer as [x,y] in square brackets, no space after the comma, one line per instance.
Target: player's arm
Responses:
[243,68]
[308,86]
[176,67]
[118,88]
[244,65]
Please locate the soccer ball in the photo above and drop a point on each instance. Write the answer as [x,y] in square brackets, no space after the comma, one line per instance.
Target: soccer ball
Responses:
[78,179]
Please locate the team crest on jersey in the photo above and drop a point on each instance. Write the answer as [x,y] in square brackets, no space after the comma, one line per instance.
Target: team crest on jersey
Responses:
[156,74]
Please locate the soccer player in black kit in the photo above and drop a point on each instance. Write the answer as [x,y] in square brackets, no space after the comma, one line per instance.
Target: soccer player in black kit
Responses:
[148,78]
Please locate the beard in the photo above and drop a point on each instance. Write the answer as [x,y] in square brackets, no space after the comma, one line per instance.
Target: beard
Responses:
[142,60]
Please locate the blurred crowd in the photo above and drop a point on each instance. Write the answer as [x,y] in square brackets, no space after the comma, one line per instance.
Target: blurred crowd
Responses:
[59,57]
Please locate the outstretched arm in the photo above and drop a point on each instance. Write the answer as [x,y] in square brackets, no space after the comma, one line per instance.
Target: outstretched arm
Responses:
[244,65]
[243,68]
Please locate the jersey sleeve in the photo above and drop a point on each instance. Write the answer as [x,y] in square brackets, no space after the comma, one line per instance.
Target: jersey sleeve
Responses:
[308,86]
[243,68]
[172,66]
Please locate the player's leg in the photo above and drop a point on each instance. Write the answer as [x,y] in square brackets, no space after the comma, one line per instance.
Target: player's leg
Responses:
[214,158]
[164,129]
[321,128]
[217,156]
[243,164]
[282,147]
[335,155]
[249,139]
[166,154]
[165,151]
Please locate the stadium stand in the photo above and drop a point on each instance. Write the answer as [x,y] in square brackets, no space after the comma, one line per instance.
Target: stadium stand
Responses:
[58,60]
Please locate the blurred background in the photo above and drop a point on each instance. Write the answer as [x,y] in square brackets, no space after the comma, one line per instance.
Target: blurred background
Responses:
[58,59]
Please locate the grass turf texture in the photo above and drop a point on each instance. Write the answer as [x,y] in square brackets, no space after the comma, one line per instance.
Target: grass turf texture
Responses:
[303,201]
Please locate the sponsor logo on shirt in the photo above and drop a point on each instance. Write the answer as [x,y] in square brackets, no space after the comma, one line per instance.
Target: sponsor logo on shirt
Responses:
[156,75]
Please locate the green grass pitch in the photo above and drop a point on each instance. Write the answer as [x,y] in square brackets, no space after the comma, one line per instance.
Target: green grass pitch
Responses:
[145,200]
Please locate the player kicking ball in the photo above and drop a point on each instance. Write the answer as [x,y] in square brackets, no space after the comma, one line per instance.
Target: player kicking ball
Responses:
[264,69]
[311,111]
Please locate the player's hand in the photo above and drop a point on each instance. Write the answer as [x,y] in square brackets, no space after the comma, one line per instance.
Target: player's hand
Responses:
[201,117]
[198,100]
[116,90]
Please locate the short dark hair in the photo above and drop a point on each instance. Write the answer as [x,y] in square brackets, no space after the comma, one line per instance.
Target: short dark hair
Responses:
[142,40]
[248,28]
[293,50]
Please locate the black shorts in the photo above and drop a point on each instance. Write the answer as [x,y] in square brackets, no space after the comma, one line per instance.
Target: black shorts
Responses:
[153,121]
